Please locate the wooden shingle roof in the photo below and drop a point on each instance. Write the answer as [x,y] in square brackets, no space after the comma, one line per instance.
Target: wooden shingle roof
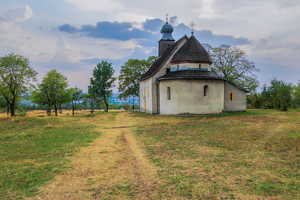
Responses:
[193,52]
[159,62]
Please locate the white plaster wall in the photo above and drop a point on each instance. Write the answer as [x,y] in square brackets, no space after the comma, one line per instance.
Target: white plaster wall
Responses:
[153,80]
[238,102]
[146,96]
[187,96]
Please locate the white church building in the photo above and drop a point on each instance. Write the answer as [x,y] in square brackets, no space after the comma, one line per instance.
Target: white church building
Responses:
[181,81]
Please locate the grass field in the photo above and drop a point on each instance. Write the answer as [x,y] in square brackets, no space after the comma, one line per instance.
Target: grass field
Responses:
[250,155]
[33,149]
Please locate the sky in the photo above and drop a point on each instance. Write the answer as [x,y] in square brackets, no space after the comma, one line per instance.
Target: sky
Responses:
[73,35]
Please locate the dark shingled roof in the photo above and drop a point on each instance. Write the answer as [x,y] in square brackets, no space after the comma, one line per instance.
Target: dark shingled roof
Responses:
[191,75]
[192,51]
[160,61]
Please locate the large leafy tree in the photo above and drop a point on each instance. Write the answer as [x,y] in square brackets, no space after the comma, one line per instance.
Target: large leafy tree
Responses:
[76,96]
[52,92]
[232,63]
[297,95]
[280,95]
[102,82]
[130,75]
[16,77]
[91,97]
[2,102]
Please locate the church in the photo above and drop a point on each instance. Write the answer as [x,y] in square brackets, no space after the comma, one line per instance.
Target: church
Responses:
[181,81]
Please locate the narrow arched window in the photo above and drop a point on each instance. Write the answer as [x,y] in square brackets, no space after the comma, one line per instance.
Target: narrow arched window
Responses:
[205,90]
[169,93]
[231,96]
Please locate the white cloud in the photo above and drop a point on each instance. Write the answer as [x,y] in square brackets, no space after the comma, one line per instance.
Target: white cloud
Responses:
[271,25]
[52,49]
[28,13]
[17,14]
[55,46]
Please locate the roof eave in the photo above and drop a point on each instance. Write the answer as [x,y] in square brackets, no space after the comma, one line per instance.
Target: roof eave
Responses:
[190,61]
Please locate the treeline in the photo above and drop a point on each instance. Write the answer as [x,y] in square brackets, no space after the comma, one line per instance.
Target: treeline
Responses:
[278,95]
[53,93]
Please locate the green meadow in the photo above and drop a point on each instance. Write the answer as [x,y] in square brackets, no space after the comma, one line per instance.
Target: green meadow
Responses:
[249,155]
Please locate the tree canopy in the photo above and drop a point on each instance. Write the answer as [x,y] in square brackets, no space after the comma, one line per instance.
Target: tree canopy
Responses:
[233,64]
[52,91]
[16,77]
[297,95]
[130,75]
[76,96]
[278,95]
[102,82]
[2,102]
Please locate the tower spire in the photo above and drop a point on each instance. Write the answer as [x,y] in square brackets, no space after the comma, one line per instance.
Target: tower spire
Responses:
[167,39]
[167,18]
[192,28]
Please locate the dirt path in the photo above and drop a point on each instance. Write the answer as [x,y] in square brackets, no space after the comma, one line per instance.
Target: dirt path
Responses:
[112,167]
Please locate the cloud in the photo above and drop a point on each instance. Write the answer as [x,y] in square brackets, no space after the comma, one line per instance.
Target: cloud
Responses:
[149,34]
[17,14]
[268,30]
[109,30]
[153,24]
[53,49]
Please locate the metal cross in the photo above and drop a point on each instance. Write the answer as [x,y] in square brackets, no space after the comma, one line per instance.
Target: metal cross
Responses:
[167,18]
[192,27]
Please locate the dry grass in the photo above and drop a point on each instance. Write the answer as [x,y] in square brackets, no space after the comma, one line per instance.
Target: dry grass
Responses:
[252,155]
[112,167]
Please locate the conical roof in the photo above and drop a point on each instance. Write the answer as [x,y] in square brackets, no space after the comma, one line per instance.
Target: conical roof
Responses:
[193,52]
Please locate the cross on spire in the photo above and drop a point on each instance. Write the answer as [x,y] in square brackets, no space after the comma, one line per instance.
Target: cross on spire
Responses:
[192,27]
[167,18]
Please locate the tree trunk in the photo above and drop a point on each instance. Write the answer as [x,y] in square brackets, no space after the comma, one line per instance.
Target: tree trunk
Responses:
[7,109]
[12,109]
[92,106]
[133,103]
[55,109]
[106,104]
[48,111]
[73,109]
[60,109]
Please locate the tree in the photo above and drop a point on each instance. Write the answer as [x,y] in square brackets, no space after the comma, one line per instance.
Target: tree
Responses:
[52,91]
[76,96]
[254,100]
[2,102]
[40,98]
[130,75]
[233,64]
[297,95]
[280,94]
[102,82]
[16,77]
[92,98]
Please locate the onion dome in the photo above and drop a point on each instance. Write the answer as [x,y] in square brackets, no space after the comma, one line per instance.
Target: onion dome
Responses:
[167,31]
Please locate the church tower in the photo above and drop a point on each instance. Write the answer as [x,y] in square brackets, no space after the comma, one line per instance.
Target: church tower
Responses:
[167,39]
